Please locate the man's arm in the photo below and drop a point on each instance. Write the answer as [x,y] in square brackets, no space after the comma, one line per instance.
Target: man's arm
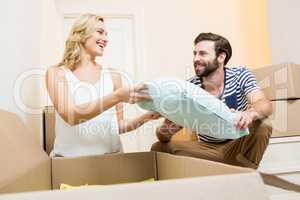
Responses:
[259,107]
[165,132]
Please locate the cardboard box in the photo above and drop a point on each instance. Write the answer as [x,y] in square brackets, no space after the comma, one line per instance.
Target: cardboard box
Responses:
[285,118]
[229,187]
[279,81]
[26,167]
[49,128]
[175,190]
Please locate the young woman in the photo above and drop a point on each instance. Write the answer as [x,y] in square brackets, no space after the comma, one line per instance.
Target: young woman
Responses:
[88,97]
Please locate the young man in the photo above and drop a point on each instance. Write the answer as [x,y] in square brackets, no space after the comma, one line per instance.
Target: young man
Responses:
[237,88]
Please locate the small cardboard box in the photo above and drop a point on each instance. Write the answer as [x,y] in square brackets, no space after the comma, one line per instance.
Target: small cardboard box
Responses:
[284,120]
[26,167]
[279,81]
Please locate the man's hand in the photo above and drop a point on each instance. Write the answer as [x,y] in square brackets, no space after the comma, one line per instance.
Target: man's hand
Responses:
[244,119]
[165,132]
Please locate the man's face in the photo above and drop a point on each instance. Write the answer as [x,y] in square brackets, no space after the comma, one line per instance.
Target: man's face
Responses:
[205,61]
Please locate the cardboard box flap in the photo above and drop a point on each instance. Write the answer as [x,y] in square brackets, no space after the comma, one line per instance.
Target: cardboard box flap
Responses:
[103,169]
[243,186]
[34,179]
[49,128]
[21,157]
[279,81]
[172,167]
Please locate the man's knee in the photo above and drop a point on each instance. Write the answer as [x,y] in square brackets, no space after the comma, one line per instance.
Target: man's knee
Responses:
[260,130]
[158,146]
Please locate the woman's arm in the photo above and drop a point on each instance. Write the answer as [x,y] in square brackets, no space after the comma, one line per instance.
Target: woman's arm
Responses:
[124,125]
[73,114]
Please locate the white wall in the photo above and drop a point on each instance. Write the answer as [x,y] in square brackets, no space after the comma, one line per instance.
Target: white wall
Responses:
[169,27]
[20,51]
[283,17]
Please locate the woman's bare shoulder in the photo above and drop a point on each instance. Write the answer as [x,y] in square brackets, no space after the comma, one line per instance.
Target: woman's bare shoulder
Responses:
[55,71]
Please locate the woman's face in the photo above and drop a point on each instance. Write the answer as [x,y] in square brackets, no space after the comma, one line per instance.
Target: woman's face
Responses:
[96,43]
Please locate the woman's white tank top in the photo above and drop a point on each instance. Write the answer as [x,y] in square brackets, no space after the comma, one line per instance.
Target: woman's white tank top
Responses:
[99,135]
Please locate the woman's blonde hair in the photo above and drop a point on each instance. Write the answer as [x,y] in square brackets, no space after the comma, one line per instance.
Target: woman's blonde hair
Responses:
[82,29]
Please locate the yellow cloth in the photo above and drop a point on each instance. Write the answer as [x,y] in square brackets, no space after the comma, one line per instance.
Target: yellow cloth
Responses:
[64,186]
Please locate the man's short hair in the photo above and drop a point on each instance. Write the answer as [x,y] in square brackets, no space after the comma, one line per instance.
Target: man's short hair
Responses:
[222,45]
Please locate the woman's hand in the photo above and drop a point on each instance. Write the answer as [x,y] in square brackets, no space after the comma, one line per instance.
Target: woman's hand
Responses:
[152,115]
[126,126]
[133,94]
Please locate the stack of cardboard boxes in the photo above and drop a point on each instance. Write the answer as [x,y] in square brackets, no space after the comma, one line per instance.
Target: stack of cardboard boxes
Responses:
[25,166]
[281,84]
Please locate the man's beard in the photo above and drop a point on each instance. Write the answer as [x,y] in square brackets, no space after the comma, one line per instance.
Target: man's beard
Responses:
[209,67]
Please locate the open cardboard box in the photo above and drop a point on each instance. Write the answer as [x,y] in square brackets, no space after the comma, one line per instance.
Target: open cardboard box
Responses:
[26,167]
